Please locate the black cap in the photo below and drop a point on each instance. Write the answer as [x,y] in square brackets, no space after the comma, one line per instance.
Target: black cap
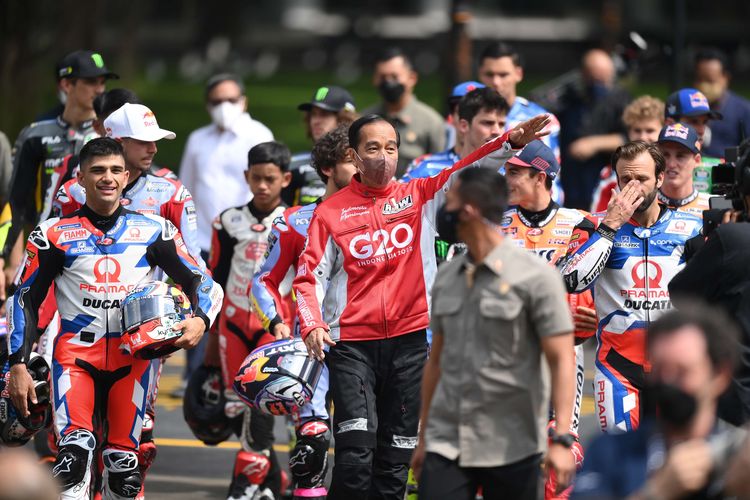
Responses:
[330,98]
[83,64]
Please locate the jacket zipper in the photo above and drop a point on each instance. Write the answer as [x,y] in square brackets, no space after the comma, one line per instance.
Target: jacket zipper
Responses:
[382,294]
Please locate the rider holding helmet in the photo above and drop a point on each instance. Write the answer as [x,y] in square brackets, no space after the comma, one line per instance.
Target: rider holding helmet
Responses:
[95,258]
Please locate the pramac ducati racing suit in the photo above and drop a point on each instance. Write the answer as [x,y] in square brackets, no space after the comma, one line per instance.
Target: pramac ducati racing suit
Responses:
[94,262]
[629,271]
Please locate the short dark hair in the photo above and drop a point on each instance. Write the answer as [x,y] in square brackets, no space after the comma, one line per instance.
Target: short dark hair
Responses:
[95,148]
[356,127]
[486,189]
[496,50]
[481,99]
[107,103]
[718,329]
[631,150]
[223,77]
[392,52]
[712,54]
[330,150]
[547,179]
[270,152]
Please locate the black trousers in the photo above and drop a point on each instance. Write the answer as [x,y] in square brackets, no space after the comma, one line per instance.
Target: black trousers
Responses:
[376,396]
[443,479]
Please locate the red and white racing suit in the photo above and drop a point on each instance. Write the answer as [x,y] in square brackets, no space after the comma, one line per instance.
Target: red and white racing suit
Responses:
[158,192]
[629,271]
[239,243]
[94,262]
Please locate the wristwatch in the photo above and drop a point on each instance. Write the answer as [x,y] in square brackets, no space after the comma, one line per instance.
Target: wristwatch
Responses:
[566,440]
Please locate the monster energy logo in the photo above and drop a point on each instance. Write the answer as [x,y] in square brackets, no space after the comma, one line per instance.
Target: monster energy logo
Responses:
[441,249]
[321,93]
[97,60]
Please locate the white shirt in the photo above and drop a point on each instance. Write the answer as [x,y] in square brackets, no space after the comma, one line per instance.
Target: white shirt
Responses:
[213,167]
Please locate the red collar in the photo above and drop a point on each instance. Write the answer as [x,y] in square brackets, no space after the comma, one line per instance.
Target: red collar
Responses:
[371,192]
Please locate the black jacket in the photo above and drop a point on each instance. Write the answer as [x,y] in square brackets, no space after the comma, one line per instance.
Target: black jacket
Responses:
[719,273]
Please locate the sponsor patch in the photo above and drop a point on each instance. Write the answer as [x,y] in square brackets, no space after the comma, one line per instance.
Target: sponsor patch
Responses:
[280,224]
[39,239]
[73,235]
[393,207]
[680,227]
[354,424]
[404,442]
[348,213]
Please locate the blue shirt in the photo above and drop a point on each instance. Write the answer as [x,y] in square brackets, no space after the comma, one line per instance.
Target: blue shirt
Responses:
[726,133]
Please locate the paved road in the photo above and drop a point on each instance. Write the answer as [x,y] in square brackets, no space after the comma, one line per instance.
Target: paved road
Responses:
[186,469]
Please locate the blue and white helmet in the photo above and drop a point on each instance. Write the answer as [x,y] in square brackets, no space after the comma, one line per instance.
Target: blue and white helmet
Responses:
[278,378]
[148,314]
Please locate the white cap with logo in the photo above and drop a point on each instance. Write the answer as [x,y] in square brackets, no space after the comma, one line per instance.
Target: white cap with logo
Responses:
[137,122]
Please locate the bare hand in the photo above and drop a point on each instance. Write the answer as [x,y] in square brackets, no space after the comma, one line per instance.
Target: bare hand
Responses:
[192,332]
[687,470]
[21,389]
[417,459]
[281,331]
[585,319]
[560,460]
[582,149]
[527,131]
[316,341]
[730,216]
[622,205]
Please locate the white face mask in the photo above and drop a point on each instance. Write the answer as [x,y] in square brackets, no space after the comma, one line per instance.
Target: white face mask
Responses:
[225,114]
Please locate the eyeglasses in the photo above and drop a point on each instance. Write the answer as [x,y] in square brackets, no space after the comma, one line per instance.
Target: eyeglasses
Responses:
[216,102]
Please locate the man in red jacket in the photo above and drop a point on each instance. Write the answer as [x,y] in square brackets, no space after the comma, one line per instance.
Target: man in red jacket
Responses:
[373,242]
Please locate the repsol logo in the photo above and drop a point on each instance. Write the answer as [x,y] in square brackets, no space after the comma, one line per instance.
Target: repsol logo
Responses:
[101,303]
[381,242]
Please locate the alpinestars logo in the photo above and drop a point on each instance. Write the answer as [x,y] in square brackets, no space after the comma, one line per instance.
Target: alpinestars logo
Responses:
[395,207]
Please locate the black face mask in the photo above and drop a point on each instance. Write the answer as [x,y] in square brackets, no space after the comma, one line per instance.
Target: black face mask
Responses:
[391,90]
[674,406]
[447,225]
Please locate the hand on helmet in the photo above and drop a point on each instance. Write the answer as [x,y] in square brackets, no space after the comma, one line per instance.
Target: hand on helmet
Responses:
[192,332]
[21,389]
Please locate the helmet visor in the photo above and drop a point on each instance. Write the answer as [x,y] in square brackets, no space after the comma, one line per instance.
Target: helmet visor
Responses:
[144,309]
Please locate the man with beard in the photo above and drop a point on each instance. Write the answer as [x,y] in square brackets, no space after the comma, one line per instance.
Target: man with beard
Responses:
[421,128]
[628,260]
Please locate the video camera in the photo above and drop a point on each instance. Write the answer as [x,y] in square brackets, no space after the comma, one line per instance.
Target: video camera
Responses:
[731,182]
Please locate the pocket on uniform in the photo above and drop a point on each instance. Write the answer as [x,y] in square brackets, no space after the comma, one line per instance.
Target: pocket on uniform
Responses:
[352,412]
[500,318]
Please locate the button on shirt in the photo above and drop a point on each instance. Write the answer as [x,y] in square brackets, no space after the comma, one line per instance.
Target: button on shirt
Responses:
[213,167]
[490,405]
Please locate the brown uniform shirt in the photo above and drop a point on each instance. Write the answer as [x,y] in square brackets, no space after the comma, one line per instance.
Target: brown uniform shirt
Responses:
[490,405]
